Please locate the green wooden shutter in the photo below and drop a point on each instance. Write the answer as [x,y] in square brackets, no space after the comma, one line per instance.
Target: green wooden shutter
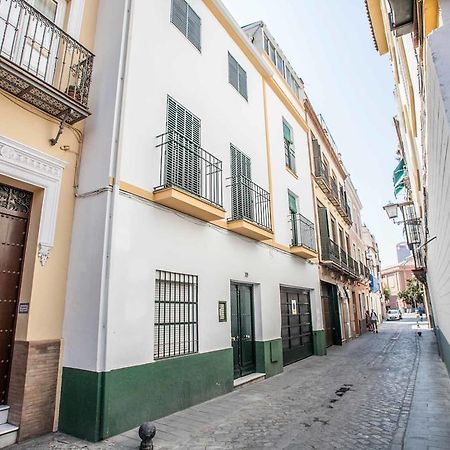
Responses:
[194,28]
[179,15]
[324,232]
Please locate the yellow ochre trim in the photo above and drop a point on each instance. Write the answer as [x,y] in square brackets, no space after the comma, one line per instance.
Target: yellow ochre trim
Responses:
[131,189]
[257,61]
[264,236]
[431,15]
[269,159]
[186,203]
[291,172]
[377,25]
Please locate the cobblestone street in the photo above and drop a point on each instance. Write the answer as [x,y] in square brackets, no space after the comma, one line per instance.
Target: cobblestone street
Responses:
[381,391]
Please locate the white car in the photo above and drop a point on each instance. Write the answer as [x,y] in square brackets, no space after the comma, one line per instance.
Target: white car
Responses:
[394,314]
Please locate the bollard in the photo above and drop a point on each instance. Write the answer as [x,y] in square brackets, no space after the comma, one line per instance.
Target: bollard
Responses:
[147,432]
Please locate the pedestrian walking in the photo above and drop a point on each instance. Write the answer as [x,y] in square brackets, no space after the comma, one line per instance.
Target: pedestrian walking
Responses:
[374,321]
[368,324]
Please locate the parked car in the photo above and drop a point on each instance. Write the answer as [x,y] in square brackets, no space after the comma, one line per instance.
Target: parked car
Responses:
[394,314]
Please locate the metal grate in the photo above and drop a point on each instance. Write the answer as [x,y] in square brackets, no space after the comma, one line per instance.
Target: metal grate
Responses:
[33,42]
[176,314]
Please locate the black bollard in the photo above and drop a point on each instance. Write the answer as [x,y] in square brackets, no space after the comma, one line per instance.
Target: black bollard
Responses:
[147,432]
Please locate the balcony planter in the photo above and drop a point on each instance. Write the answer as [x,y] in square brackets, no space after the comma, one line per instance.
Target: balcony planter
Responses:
[74,92]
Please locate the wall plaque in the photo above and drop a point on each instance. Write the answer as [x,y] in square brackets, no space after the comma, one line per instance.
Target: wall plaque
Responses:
[222,311]
[24,308]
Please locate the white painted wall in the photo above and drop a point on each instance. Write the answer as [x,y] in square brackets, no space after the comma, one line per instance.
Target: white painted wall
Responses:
[282,180]
[438,152]
[150,237]
[147,237]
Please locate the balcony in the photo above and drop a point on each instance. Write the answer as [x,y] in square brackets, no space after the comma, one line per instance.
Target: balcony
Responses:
[190,178]
[330,253]
[321,175]
[303,237]
[344,260]
[338,259]
[41,64]
[250,214]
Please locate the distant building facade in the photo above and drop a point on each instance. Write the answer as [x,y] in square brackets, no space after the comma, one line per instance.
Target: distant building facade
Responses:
[394,278]
[403,252]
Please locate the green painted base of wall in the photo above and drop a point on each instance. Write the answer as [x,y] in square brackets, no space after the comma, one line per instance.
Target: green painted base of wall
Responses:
[319,343]
[95,406]
[269,357]
[444,348]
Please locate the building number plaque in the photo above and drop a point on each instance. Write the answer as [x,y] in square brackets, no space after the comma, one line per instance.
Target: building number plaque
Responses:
[222,311]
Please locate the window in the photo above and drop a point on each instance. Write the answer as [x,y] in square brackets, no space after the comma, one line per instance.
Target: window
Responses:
[280,64]
[289,146]
[266,44]
[182,160]
[292,199]
[187,21]
[176,314]
[289,77]
[272,53]
[237,76]
[242,197]
[333,229]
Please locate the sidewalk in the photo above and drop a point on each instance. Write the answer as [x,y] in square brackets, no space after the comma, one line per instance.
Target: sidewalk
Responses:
[429,419]
[381,391]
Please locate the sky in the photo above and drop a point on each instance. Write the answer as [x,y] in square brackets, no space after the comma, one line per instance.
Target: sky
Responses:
[330,46]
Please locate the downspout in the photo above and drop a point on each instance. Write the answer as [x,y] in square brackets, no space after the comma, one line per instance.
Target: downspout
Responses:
[115,171]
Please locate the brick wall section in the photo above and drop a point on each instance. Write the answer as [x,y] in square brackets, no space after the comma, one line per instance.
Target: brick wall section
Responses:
[17,381]
[33,387]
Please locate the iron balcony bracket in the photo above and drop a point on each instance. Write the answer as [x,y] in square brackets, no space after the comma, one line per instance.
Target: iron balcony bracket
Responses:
[54,141]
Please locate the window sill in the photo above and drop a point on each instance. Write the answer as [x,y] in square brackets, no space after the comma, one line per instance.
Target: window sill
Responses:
[292,172]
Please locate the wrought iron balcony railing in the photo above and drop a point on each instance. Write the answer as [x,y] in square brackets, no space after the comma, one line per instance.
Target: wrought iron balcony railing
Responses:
[303,233]
[330,251]
[250,201]
[321,171]
[185,165]
[344,259]
[352,265]
[41,64]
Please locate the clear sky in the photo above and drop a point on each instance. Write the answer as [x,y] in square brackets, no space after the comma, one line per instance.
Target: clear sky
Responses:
[329,44]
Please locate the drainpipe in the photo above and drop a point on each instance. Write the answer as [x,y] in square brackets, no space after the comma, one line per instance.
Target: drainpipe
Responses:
[115,170]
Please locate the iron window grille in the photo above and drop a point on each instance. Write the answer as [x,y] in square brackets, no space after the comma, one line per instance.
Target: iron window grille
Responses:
[303,233]
[187,21]
[185,165]
[35,44]
[250,201]
[176,314]
[237,76]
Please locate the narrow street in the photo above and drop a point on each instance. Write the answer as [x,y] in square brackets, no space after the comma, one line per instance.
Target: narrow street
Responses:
[381,391]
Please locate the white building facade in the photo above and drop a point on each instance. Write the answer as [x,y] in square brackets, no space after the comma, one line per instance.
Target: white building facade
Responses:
[194,254]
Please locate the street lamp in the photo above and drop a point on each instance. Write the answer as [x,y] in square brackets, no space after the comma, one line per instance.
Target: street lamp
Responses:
[391,210]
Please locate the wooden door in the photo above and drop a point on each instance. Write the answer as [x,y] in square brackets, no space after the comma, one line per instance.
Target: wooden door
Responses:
[15,206]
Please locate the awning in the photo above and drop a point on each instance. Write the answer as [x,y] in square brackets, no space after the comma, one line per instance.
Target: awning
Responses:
[399,177]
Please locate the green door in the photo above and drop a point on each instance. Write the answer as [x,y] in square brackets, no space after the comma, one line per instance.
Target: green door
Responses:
[242,329]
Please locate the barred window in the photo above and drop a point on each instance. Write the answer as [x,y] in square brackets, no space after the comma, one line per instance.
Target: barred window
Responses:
[237,76]
[176,314]
[187,21]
